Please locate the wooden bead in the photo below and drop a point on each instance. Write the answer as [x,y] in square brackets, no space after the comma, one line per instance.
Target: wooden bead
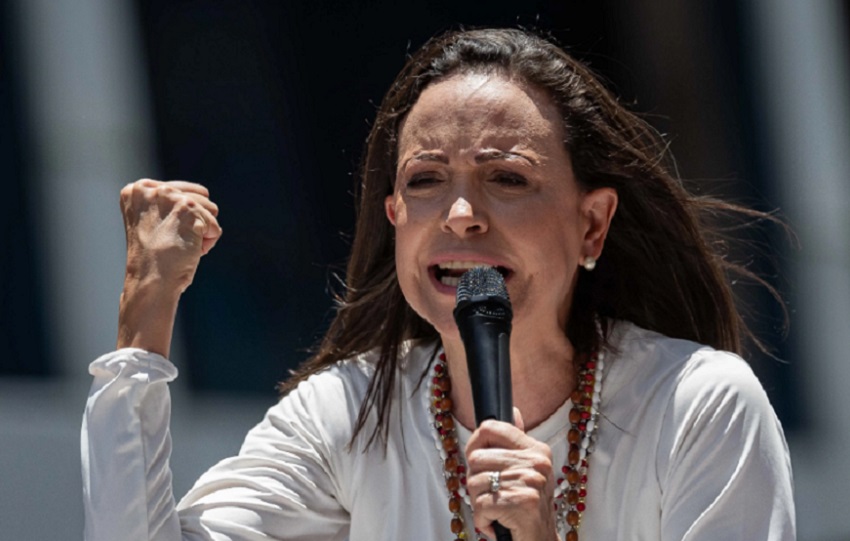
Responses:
[457,525]
[572,535]
[572,497]
[450,444]
[574,455]
[454,505]
[573,518]
[573,436]
[452,483]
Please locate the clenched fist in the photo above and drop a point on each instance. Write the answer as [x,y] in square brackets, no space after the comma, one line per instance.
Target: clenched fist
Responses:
[169,226]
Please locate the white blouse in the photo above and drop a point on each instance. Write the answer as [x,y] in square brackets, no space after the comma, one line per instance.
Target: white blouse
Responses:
[688,448]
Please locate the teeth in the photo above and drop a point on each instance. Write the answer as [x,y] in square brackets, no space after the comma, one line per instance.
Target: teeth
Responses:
[461,265]
[453,281]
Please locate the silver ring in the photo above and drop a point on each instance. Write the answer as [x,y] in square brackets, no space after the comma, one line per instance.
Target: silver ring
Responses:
[495,481]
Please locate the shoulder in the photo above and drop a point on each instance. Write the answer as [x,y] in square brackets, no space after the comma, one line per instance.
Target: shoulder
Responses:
[674,380]
[331,400]
[642,357]
[679,389]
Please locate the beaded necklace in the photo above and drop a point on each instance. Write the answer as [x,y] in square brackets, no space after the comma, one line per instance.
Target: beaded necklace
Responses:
[570,490]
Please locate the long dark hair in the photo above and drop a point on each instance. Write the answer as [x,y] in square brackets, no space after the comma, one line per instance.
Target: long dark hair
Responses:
[663,268]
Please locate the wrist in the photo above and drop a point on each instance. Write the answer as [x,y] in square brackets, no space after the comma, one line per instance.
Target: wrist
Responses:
[146,314]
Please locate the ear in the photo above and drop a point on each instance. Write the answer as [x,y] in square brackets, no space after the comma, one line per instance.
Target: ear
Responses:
[389,208]
[597,209]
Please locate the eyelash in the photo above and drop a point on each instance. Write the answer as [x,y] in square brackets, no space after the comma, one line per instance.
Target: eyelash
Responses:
[424,180]
[510,179]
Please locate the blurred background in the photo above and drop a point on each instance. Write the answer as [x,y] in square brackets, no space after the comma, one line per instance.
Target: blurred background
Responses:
[268,104]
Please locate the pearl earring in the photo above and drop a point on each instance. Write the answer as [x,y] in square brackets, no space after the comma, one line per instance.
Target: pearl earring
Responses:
[589,263]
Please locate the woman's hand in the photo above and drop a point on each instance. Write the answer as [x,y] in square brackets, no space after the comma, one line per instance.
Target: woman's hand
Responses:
[524,503]
[169,226]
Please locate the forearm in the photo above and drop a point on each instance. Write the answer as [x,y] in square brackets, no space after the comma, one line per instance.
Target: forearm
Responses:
[146,314]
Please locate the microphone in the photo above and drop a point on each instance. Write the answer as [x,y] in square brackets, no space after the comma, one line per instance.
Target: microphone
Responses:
[483,315]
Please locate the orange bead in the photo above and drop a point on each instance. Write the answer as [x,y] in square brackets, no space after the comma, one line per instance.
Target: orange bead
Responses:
[573,477]
[450,444]
[575,397]
[572,497]
[575,416]
[454,505]
[573,436]
[572,518]
[448,422]
[452,483]
[572,535]
[457,525]
[573,456]
[451,463]
[445,404]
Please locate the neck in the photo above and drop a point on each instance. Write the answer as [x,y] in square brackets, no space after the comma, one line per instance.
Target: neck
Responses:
[542,376]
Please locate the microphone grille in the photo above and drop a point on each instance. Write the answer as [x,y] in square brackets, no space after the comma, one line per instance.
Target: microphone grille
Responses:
[482,282]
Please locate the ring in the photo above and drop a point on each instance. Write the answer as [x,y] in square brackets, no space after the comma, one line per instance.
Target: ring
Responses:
[495,481]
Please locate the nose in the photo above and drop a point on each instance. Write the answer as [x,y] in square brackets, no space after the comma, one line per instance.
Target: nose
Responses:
[463,221]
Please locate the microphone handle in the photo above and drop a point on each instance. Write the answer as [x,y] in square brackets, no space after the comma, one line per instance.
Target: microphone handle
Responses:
[487,344]
[502,533]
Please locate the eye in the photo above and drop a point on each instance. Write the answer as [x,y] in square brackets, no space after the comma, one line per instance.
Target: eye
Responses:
[422,180]
[508,179]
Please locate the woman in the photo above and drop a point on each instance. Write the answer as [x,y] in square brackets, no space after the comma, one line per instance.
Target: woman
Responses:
[494,148]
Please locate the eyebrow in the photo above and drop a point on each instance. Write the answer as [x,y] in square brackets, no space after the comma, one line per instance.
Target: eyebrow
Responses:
[425,156]
[490,155]
[482,157]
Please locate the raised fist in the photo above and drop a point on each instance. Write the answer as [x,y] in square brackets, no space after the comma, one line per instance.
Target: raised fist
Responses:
[169,226]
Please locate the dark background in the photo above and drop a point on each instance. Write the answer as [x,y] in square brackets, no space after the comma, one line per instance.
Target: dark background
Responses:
[268,103]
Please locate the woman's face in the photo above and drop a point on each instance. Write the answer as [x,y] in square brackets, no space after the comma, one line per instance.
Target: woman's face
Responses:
[483,178]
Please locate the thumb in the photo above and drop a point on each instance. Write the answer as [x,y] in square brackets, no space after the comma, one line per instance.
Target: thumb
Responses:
[518,422]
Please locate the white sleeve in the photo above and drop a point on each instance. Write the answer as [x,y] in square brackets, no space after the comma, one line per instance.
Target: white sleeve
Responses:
[286,482]
[279,487]
[125,448]
[723,464]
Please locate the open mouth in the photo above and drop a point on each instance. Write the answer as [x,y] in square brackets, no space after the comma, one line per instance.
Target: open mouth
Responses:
[449,273]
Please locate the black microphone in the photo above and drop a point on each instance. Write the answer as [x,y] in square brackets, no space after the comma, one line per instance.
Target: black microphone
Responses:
[483,315]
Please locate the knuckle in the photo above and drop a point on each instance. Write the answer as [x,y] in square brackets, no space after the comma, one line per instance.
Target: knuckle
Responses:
[538,482]
[472,461]
[542,464]
[182,204]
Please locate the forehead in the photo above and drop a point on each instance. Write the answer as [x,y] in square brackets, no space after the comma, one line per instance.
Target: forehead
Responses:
[478,108]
